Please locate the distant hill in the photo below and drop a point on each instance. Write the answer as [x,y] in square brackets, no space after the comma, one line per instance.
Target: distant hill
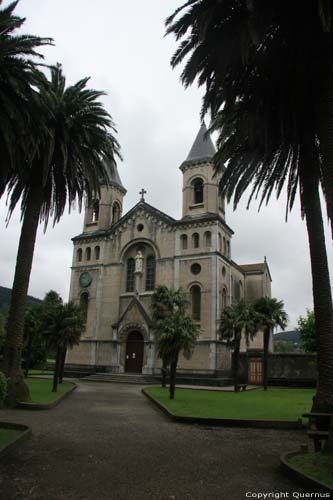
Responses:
[290,336]
[5,294]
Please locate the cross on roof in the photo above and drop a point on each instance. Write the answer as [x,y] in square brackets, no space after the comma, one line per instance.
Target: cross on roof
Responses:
[143,192]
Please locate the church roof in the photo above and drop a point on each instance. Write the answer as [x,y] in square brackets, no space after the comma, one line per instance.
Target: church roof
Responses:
[250,268]
[115,177]
[257,268]
[203,147]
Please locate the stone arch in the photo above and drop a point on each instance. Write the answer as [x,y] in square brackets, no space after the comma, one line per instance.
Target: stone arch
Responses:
[136,242]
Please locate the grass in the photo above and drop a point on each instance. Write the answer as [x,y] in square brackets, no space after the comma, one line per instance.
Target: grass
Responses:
[41,372]
[7,435]
[316,465]
[41,390]
[273,404]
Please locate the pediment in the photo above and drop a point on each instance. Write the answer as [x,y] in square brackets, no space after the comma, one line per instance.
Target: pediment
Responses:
[135,312]
[142,210]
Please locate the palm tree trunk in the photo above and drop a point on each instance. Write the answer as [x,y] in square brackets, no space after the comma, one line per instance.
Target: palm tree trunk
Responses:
[62,365]
[173,372]
[322,297]
[56,371]
[164,372]
[235,366]
[265,360]
[15,322]
[325,119]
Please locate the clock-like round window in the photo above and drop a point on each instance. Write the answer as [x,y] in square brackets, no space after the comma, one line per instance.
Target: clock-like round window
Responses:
[139,227]
[85,279]
[195,268]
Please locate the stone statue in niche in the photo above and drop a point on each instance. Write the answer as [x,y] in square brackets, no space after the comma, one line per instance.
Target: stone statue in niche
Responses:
[139,262]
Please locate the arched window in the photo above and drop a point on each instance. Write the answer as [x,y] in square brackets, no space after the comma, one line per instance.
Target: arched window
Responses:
[79,255]
[220,243]
[115,212]
[130,275]
[208,238]
[183,242]
[195,240]
[224,298]
[84,303]
[228,249]
[150,272]
[95,211]
[198,191]
[195,293]
[88,253]
[224,247]
[97,252]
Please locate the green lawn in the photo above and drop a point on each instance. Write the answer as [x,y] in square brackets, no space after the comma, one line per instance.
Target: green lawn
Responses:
[316,465]
[6,435]
[273,404]
[40,390]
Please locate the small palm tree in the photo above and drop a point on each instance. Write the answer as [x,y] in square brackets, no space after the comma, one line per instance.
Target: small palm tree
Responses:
[271,314]
[64,326]
[176,332]
[236,321]
[74,153]
[18,75]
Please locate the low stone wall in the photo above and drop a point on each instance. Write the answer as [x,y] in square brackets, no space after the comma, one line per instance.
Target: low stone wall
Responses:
[287,368]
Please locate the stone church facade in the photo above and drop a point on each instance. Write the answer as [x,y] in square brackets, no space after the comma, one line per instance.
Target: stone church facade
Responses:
[119,259]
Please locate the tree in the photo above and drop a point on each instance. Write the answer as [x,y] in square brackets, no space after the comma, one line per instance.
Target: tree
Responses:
[64,325]
[18,76]
[176,331]
[34,348]
[238,320]
[74,152]
[258,86]
[307,329]
[271,314]
[163,302]
[2,333]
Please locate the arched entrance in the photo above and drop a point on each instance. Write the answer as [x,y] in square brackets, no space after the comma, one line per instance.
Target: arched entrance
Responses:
[134,353]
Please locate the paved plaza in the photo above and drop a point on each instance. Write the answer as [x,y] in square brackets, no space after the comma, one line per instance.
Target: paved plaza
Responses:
[108,442]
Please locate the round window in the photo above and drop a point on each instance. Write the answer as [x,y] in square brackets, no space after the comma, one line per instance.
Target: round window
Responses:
[139,227]
[195,268]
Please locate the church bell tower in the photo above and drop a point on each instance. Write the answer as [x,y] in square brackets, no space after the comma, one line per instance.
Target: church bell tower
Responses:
[102,213]
[200,186]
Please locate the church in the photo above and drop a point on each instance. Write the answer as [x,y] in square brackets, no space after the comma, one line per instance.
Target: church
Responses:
[119,259]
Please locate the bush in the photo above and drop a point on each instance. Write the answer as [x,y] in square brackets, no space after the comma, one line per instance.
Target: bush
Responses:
[3,388]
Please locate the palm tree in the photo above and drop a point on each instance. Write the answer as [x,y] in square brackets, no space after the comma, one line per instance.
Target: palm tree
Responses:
[18,74]
[74,152]
[271,314]
[257,89]
[279,51]
[64,326]
[176,332]
[163,302]
[238,320]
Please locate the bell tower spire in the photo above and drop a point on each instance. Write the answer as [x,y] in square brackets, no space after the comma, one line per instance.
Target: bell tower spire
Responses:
[200,186]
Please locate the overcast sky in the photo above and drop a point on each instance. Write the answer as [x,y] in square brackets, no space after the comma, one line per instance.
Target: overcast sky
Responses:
[122,47]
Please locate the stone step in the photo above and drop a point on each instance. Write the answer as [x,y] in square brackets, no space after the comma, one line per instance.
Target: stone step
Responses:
[122,378]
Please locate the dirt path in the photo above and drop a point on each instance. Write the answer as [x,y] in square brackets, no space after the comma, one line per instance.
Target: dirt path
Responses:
[107,442]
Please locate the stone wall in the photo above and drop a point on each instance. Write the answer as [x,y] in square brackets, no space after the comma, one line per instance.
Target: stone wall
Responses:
[295,369]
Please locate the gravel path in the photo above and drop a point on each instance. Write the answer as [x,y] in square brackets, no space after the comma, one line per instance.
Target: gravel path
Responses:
[107,442]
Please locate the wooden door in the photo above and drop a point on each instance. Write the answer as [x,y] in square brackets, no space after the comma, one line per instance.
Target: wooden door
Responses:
[134,353]
[255,371]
